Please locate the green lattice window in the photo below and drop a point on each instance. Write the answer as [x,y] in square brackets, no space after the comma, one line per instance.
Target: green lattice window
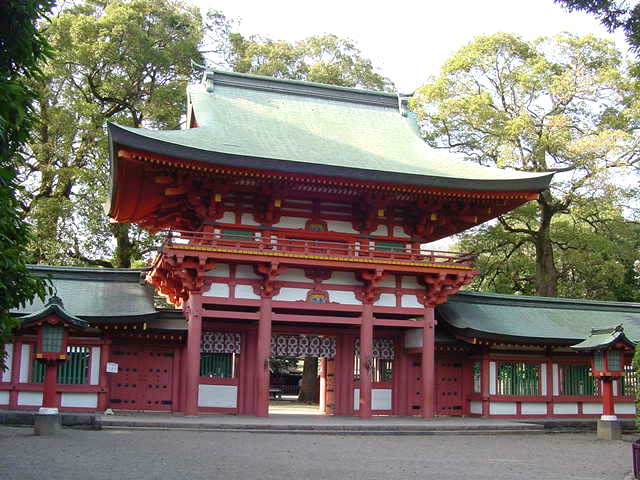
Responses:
[518,378]
[577,380]
[629,381]
[614,358]
[239,235]
[477,377]
[217,365]
[74,371]
[391,247]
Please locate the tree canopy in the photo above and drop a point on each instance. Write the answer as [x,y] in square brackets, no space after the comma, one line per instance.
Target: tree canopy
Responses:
[22,50]
[563,104]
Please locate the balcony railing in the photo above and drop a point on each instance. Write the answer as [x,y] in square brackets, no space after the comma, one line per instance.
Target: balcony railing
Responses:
[270,242]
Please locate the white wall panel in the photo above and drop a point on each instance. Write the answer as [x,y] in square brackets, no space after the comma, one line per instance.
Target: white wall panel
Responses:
[291,222]
[410,282]
[399,232]
[502,408]
[218,396]
[389,281]
[475,407]
[533,408]
[340,227]
[592,408]
[565,408]
[492,378]
[343,297]
[246,291]
[380,398]
[217,290]
[79,400]
[543,378]
[25,361]
[410,301]
[30,399]
[413,338]
[247,219]
[342,278]
[4,398]
[220,270]
[294,275]
[556,379]
[620,408]
[6,375]
[291,294]
[381,231]
[94,374]
[228,217]
[246,271]
[386,300]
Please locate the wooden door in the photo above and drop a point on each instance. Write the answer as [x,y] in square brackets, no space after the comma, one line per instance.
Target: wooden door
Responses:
[449,386]
[415,393]
[144,378]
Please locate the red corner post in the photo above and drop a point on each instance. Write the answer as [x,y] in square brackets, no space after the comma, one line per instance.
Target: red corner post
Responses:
[428,362]
[49,395]
[192,370]
[262,357]
[608,410]
[366,358]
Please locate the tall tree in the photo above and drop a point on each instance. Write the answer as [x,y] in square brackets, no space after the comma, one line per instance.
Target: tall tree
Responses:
[126,61]
[562,104]
[22,51]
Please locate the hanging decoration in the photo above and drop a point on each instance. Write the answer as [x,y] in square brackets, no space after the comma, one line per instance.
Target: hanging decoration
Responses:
[383,348]
[220,342]
[303,346]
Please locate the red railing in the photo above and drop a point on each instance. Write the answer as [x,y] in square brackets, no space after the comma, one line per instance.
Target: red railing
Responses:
[295,243]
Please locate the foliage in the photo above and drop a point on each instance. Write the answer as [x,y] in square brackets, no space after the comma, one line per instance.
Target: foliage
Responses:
[562,104]
[612,14]
[22,49]
[324,59]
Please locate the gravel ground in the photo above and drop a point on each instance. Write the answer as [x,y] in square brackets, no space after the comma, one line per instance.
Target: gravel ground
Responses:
[176,455]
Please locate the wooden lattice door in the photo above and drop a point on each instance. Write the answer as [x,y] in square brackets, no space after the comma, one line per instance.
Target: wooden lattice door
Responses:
[144,378]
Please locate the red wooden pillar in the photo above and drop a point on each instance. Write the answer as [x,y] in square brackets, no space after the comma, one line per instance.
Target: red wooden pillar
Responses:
[485,384]
[366,359]
[192,360]
[607,398]
[428,362]
[263,352]
[15,374]
[49,395]
[104,377]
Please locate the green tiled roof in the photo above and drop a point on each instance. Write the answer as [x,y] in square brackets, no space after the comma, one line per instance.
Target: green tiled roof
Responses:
[54,306]
[96,292]
[517,318]
[301,127]
[602,338]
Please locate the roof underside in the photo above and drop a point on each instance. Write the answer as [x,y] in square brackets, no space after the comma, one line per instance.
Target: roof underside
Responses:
[298,127]
[92,292]
[544,319]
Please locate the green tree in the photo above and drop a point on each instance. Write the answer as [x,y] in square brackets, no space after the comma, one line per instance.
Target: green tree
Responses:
[126,61]
[323,59]
[562,104]
[22,51]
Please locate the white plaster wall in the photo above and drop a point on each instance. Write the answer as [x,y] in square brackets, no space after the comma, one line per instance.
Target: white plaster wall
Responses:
[565,408]
[342,278]
[389,281]
[291,294]
[475,407]
[4,398]
[294,275]
[220,270]
[228,217]
[380,398]
[246,271]
[220,396]
[615,387]
[246,291]
[247,219]
[6,375]
[345,298]
[543,378]
[413,338]
[340,227]
[619,408]
[217,290]
[382,231]
[79,400]
[386,300]
[25,357]
[533,408]
[502,408]
[592,408]
[556,379]
[94,374]
[410,282]
[30,399]
[492,378]
[410,301]
[291,222]
[399,232]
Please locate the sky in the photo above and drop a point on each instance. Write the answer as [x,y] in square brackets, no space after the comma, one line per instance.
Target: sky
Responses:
[407,41]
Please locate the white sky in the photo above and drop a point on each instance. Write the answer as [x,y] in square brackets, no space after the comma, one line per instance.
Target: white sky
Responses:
[406,40]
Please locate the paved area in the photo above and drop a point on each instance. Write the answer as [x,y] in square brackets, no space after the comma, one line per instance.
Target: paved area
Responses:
[176,455]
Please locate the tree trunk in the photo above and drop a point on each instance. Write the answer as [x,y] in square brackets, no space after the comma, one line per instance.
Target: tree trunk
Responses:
[124,247]
[546,280]
[310,386]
